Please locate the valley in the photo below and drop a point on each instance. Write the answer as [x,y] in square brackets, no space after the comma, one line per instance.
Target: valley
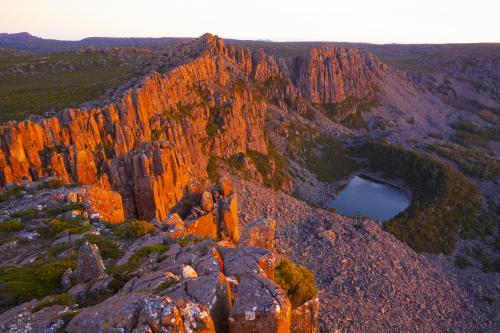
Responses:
[106,142]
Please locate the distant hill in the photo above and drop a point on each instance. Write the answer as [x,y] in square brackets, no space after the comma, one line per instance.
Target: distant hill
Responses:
[28,42]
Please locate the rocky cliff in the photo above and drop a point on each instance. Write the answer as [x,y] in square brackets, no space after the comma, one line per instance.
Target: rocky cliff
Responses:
[159,134]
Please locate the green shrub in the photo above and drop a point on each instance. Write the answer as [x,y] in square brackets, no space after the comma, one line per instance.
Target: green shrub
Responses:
[51,273]
[21,284]
[462,262]
[107,247]
[320,154]
[27,214]
[272,167]
[133,229]
[64,208]
[13,192]
[297,282]
[213,173]
[51,184]
[186,240]
[53,227]
[488,298]
[60,299]
[11,226]
[443,204]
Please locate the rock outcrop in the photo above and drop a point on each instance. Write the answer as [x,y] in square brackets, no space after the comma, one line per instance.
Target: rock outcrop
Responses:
[153,139]
[90,265]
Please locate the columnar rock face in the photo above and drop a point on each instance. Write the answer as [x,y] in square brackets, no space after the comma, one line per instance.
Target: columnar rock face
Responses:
[330,75]
[150,141]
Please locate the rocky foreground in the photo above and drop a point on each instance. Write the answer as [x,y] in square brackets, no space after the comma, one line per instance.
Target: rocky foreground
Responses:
[368,280]
[187,282]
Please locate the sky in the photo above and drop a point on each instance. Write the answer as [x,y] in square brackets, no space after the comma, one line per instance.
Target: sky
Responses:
[373,21]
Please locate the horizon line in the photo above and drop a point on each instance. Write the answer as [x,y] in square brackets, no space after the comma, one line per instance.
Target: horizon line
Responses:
[264,40]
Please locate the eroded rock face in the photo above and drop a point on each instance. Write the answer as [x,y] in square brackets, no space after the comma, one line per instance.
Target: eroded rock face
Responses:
[259,306]
[90,265]
[153,139]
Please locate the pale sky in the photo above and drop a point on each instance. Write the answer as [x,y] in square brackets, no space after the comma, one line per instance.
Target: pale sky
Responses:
[375,21]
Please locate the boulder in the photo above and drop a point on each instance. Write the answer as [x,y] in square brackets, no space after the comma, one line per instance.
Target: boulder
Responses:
[142,312]
[248,260]
[305,317]
[173,224]
[211,291]
[22,319]
[228,215]
[67,278]
[202,226]
[259,233]
[188,272]
[104,204]
[90,265]
[260,306]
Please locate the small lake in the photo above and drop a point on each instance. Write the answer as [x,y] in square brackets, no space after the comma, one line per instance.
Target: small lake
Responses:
[367,197]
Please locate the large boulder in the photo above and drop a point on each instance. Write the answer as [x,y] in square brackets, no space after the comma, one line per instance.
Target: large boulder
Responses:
[142,312]
[101,203]
[259,233]
[305,317]
[90,265]
[260,306]
[25,318]
[211,291]
[202,226]
[248,260]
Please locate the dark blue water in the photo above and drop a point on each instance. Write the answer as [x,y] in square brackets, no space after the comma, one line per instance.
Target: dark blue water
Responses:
[365,197]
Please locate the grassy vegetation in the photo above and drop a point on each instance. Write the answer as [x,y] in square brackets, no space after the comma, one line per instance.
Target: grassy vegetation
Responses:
[85,77]
[215,120]
[107,247]
[21,284]
[72,226]
[15,191]
[320,154]
[444,202]
[60,299]
[185,241]
[462,262]
[470,135]
[405,62]
[12,225]
[272,167]
[138,258]
[133,229]
[27,214]
[488,264]
[212,172]
[349,112]
[296,280]
[64,208]
[471,161]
